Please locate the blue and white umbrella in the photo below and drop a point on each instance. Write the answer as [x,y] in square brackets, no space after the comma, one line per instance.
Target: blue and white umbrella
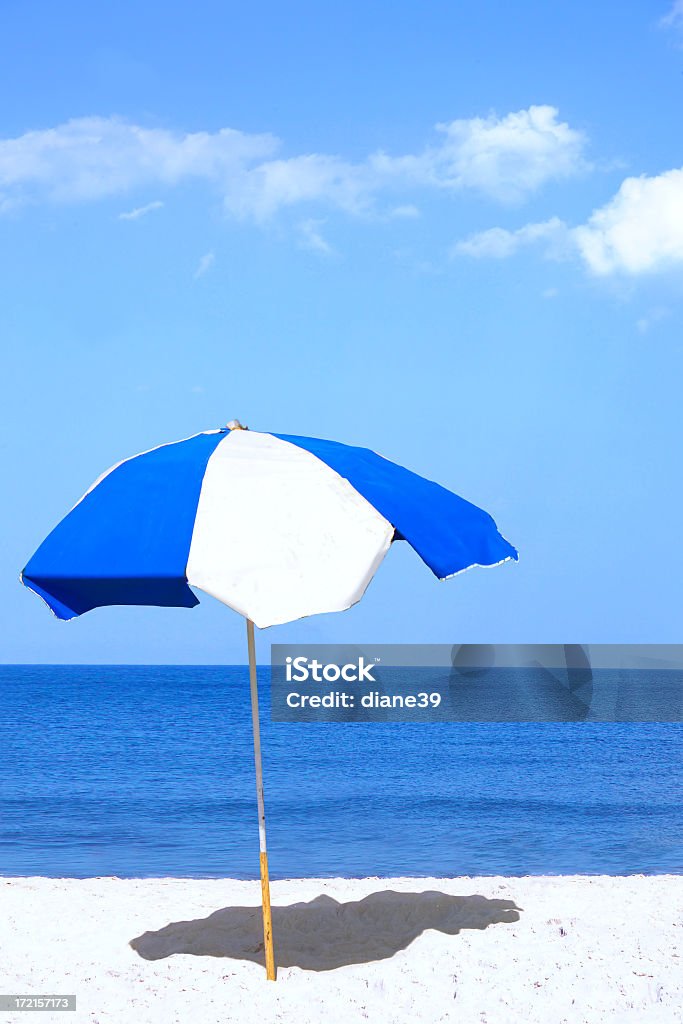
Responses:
[273,525]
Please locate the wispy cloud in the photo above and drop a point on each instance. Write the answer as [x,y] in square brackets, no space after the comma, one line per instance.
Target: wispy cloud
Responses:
[417,264]
[504,158]
[314,179]
[406,212]
[311,237]
[654,316]
[499,243]
[141,211]
[204,265]
[674,17]
[639,231]
[93,157]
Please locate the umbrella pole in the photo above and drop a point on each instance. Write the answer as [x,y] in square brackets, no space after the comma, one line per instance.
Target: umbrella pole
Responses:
[263,855]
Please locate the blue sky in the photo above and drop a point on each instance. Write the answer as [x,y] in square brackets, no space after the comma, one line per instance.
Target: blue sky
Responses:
[451,232]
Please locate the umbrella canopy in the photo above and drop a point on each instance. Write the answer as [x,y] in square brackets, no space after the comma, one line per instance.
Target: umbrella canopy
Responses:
[273,525]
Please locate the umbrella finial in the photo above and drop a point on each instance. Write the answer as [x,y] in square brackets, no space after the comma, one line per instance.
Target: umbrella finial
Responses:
[236,425]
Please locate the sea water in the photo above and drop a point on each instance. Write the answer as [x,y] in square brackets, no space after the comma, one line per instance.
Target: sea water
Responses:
[148,771]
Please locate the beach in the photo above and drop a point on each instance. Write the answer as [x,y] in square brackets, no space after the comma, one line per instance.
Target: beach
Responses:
[488,950]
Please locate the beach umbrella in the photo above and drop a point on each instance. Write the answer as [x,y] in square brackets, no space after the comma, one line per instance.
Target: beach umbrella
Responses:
[275,526]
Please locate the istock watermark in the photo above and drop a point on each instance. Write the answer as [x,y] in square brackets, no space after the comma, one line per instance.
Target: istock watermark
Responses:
[477,683]
[301,669]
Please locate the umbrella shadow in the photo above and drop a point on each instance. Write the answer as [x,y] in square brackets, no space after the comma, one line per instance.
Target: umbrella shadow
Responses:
[324,934]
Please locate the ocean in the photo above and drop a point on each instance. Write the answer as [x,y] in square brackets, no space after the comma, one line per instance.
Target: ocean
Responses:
[142,771]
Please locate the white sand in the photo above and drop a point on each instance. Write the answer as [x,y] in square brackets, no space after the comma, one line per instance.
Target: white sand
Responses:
[578,949]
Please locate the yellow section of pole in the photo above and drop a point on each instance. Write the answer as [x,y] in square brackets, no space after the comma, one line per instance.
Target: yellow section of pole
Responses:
[267,919]
[263,856]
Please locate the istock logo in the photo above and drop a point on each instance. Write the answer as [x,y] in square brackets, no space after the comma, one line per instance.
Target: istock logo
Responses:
[299,670]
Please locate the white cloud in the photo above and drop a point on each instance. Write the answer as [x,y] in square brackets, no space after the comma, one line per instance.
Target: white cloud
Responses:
[141,211]
[504,158]
[639,231]
[494,243]
[311,238]
[509,157]
[275,184]
[205,264]
[499,243]
[93,157]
